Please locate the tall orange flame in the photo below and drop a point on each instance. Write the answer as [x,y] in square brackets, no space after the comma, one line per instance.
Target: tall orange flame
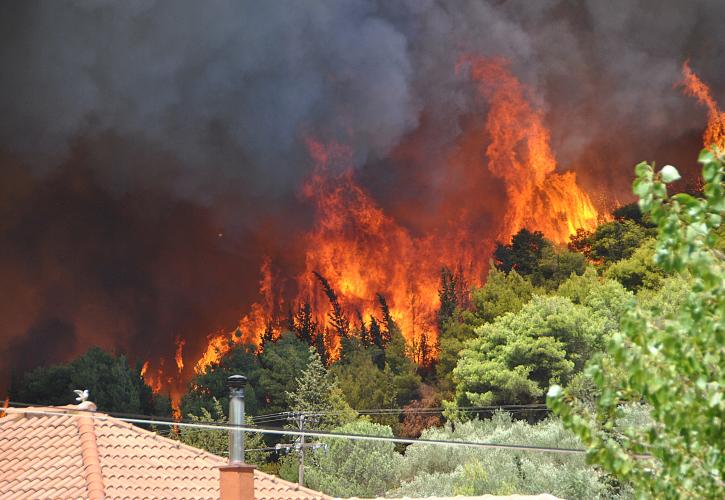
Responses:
[519,153]
[715,131]
[179,357]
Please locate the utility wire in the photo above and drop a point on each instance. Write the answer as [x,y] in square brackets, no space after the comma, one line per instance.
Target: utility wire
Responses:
[283,416]
[319,434]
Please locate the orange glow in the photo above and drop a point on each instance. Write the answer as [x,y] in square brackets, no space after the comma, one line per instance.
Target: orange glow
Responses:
[539,198]
[715,131]
[179,357]
[175,410]
[154,379]
[250,327]
[6,404]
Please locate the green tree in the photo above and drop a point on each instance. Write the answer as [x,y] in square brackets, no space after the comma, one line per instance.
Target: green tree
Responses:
[365,469]
[270,375]
[454,295]
[317,392]
[675,360]
[503,292]
[112,385]
[616,240]
[452,341]
[606,297]
[366,386]
[337,318]
[555,265]
[282,362]
[405,377]
[514,359]
[639,270]
[522,254]
[217,441]
[632,212]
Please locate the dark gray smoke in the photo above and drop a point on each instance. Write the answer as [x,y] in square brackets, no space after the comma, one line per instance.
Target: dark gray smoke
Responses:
[150,150]
[226,90]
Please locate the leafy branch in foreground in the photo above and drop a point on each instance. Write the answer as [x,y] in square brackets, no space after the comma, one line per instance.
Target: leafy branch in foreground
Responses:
[675,363]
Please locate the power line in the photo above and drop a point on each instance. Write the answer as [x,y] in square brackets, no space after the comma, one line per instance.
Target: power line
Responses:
[283,416]
[533,406]
[319,434]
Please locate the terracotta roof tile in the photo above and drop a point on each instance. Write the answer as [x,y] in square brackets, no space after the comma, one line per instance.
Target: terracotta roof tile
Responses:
[70,456]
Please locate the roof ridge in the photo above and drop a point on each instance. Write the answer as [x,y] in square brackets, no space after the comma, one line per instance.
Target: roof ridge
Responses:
[90,457]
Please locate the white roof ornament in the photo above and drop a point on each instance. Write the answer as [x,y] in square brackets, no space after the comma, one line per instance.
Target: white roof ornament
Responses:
[82,398]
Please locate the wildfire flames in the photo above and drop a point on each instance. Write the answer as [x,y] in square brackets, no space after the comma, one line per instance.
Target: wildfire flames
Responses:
[361,250]
[715,131]
[519,152]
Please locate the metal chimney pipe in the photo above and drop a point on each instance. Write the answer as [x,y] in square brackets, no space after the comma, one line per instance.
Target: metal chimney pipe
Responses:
[236,385]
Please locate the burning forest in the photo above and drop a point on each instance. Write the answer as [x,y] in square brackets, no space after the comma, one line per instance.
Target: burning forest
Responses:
[173,185]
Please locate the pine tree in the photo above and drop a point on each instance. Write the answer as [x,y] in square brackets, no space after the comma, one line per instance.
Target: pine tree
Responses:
[364,333]
[447,296]
[322,348]
[317,393]
[462,290]
[388,321]
[304,324]
[376,333]
[337,318]
[267,336]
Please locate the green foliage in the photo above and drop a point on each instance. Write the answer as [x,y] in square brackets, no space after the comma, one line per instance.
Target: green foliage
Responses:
[270,376]
[674,358]
[515,358]
[365,469]
[522,254]
[605,297]
[364,385]
[616,240]
[217,441]
[453,294]
[638,271]
[632,212]
[555,265]
[405,377]
[447,471]
[452,341]
[668,298]
[109,379]
[531,255]
[281,362]
[317,392]
[503,292]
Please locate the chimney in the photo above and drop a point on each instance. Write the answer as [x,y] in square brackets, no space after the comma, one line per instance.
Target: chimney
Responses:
[236,479]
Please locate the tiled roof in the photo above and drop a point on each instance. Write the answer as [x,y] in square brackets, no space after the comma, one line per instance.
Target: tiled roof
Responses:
[78,456]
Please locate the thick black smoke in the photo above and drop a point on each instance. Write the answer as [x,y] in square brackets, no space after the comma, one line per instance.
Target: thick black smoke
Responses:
[133,134]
